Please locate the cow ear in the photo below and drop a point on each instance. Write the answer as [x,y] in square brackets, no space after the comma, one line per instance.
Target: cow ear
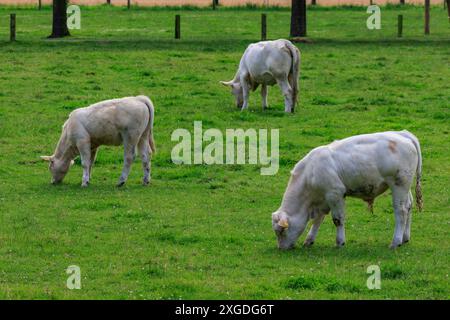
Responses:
[281,219]
[227,83]
[283,223]
[275,217]
[46,158]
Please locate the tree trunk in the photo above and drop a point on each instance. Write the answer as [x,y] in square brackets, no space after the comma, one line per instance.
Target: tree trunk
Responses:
[59,29]
[298,18]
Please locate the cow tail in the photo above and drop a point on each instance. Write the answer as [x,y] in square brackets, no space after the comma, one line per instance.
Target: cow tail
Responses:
[151,141]
[152,118]
[415,141]
[419,199]
[151,111]
[295,70]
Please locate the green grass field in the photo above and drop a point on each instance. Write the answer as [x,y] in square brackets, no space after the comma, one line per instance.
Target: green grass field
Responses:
[204,232]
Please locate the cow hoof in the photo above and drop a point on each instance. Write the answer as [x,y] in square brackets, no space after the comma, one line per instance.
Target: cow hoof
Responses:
[85,184]
[395,246]
[120,184]
[286,248]
[340,245]
[145,183]
[308,243]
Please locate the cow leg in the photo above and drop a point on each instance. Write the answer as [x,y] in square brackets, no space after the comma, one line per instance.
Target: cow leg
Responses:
[311,237]
[294,99]
[407,233]
[245,92]
[145,154]
[400,197]
[93,156]
[128,157]
[337,206]
[288,95]
[264,90]
[85,153]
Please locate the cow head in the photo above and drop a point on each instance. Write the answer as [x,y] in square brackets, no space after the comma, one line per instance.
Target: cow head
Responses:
[58,168]
[286,234]
[236,90]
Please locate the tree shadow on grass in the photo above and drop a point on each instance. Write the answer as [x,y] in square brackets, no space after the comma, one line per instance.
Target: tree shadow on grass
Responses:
[418,42]
[202,45]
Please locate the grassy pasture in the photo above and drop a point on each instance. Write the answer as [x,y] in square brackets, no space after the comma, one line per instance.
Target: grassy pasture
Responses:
[205,231]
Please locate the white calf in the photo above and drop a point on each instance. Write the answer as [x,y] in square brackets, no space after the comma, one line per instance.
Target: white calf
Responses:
[362,166]
[267,63]
[127,121]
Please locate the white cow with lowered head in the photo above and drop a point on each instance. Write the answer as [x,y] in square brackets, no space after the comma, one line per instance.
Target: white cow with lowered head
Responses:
[127,121]
[267,63]
[362,166]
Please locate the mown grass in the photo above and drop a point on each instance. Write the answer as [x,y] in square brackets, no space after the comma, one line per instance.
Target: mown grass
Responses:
[205,231]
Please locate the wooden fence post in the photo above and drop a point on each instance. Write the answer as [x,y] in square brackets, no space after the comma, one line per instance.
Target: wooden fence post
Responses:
[427,16]
[39,4]
[400,25]
[177,27]
[448,8]
[12,27]
[402,1]
[214,4]
[108,1]
[313,2]
[263,27]
[128,4]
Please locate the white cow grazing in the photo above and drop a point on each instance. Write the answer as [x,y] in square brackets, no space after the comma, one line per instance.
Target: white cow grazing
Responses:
[362,166]
[127,121]
[266,63]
